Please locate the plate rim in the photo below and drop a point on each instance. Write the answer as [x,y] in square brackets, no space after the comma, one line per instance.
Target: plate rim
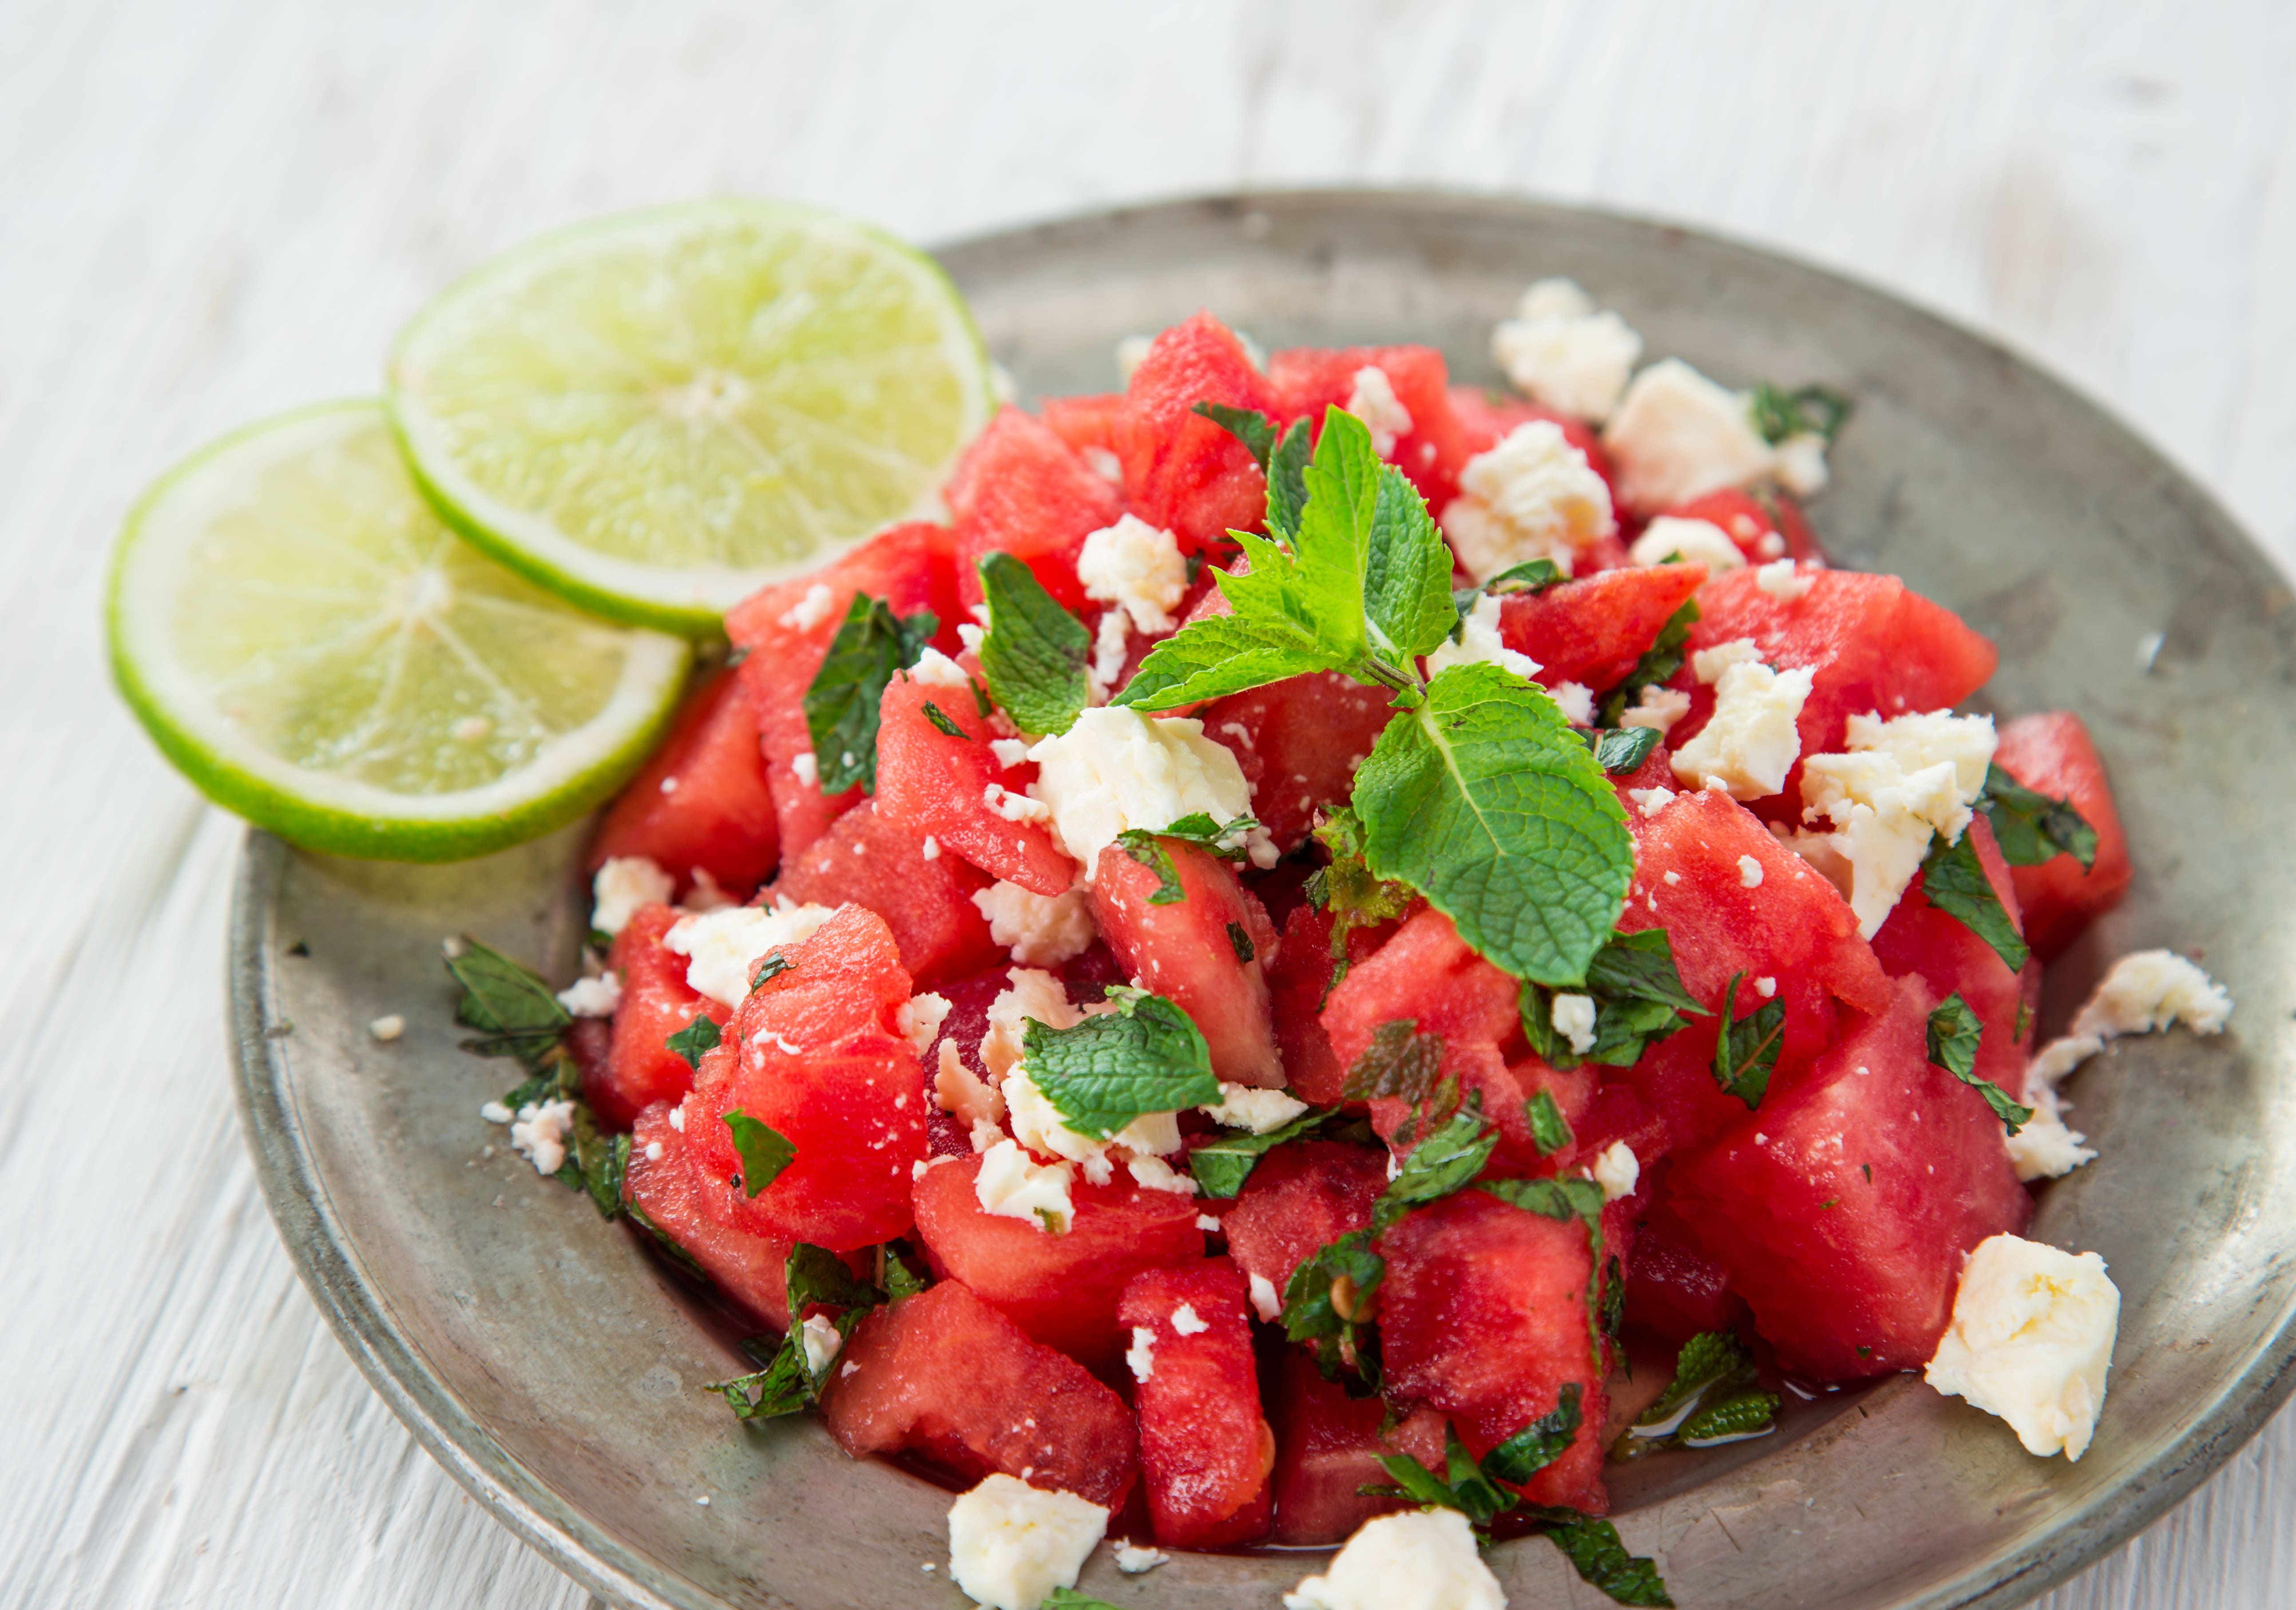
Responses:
[317,1242]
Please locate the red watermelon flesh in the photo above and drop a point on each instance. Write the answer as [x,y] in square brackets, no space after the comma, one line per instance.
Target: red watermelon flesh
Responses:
[1303,1195]
[1205,1447]
[1182,472]
[690,1207]
[657,1003]
[911,567]
[703,802]
[1591,631]
[1192,952]
[1842,1208]
[1484,1317]
[1298,980]
[927,904]
[944,1375]
[1061,1289]
[1309,379]
[935,785]
[1299,742]
[1021,490]
[1329,1446]
[2052,754]
[1674,1289]
[1084,422]
[1765,528]
[1917,937]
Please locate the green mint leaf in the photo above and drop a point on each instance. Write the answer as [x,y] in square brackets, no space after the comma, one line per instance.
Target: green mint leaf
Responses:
[941,721]
[1483,801]
[1145,1057]
[1222,838]
[1197,828]
[781,1387]
[1446,1161]
[1399,1062]
[1613,1306]
[1657,664]
[841,708]
[515,1011]
[1561,1200]
[981,706]
[1531,575]
[1347,888]
[1069,1598]
[1550,1130]
[1811,411]
[1222,1166]
[699,1037]
[902,1280]
[678,1255]
[1241,944]
[1640,966]
[1710,1364]
[1464,1487]
[1619,750]
[763,1150]
[1539,1444]
[1954,1033]
[1035,652]
[1213,657]
[1734,1419]
[772,967]
[1287,479]
[1746,1052]
[1248,426]
[1953,879]
[814,1276]
[1638,1000]
[1144,848]
[1328,1298]
[1364,514]
[2032,828]
[604,1160]
[1595,1550]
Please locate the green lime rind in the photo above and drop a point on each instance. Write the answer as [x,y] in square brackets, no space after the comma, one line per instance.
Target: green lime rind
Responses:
[308,645]
[655,415]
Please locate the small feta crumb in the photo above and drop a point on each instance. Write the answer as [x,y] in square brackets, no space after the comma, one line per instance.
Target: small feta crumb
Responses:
[1799,462]
[1266,1300]
[1372,400]
[921,1017]
[1677,435]
[1040,930]
[1576,700]
[822,1344]
[593,997]
[388,1029]
[2031,1341]
[540,1132]
[1154,1173]
[1766,987]
[1116,769]
[935,669]
[452,947]
[1208,1224]
[1247,1107]
[1651,801]
[1014,807]
[1010,752]
[1657,707]
[810,610]
[669,785]
[624,884]
[678,1117]
[1029,994]
[1185,1322]
[806,769]
[986,1133]
[1011,1544]
[1617,1170]
[1700,541]
[1559,351]
[2045,1146]
[1750,871]
[653,1153]
[703,1500]
[931,848]
[722,947]
[495,1112]
[1532,496]
[1423,1559]
[1104,463]
[1012,1185]
[1132,1559]
[1478,643]
[1781,581]
[1140,1356]
[1573,1016]
[1673,878]
[1137,567]
[1750,742]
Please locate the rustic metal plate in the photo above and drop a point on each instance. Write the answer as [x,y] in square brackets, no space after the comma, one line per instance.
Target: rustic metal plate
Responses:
[542,1356]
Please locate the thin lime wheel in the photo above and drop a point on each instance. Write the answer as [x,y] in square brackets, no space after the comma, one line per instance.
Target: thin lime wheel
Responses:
[657,415]
[309,645]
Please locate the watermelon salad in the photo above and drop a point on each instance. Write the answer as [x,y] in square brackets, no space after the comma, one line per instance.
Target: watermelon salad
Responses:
[1210,998]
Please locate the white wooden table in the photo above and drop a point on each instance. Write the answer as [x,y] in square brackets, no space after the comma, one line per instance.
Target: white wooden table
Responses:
[207,213]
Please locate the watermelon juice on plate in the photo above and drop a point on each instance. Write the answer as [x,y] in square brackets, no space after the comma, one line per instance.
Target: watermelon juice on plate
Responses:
[1209,997]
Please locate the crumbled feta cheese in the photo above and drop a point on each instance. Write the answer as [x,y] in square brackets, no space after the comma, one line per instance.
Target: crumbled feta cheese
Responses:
[1784,582]
[624,884]
[391,1026]
[1651,801]
[1657,707]
[540,1132]
[1750,742]
[593,997]
[1750,871]
[1154,1173]
[1766,987]
[1137,567]
[1117,769]
[2045,1146]
[806,769]
[931,849]
[1899,783]
[1104,463]
[1559,351]
[821,1342]
[1266,1300]
[678,1117]
[1677,435]
[2151,991]
[809,611]
[935,669]
[1040,930]
[1011,1544]
[1140,1356]
[1186,1321]
[1373,401]
[1010,752]
[1013,1185]
[723,947]
[1576,700]
[1708,663]
[1422,1559]
[1532,496]
[921,1017]
[1478,643]
[1799,463]
[1248,1107]
[1037,1124]
[1573,1016]
[1617,1170]
[1132,1559]
[1131,352]
[1208,1224]
[1701,542]
[495,1112]
[1014,807]
[961,1091]
[1029,992]
[653,1153]
[2031,1340]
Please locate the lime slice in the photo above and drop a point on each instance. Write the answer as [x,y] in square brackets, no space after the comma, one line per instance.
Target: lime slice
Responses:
[657,415]
[315,651]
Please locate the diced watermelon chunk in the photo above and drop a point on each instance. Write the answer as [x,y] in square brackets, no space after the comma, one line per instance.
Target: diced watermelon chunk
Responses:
[1842,1208]
[1084,422]
[2052,754]
[1309,379]
[703,802]
[945,1376]
[1205,1448]
[1917,937]
[1674,1289]
[816,1053]
[1591,631]
[1181,471]
[1201,952]
[691,1206]
[935,785]
[1297,981]
[657,1003]
[1020,489]
[1765,528]
[928,903]
[1486,418]
[1061,1289]
[785,638]
[1484,1316]
[1303,1195]
[1328,1448]
[1299,742]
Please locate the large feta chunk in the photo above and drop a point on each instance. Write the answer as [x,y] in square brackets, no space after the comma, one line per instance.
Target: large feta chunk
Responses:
[1559,351]
[2149,991]
[1137,567]
[1677,435]
[1040,930]
[1702,542]
[1532,496]
[722,945]
[1013,1185]
[1372,400]
[2031,1340]
[1901,783]
[1011,1544]
[1117,769]
[1478,643]
[1617,1170]
[624,884]
[1750,742]
[1419,1560]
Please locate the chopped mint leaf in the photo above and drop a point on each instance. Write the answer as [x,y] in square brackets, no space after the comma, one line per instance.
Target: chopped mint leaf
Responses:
[1953,879]
[1069,1598]
[2025,1022]
[1619,750]
[772,967]
[1145,1057]
[603,1160]
[1464,1485]
[1614,1302]
[781,1387]
[1539,1444]
[1550,1130]
[516,1013]
[941,721]
[1638,1000]
[1327,1301]
[1347,888]
[699,1037]
[1561,1200]
[1954,1033]
[1222,1166]
[841,708]
[684,1259]
[1734,1419]
[2032,828]
[1657,664]
[1594,1548]
[1710,1368]
[1035,653]
[1482,800]
[1142,846]
[1248,426]
[1241,944]
[816,1276]
[981,706]
[901,1280]
[1399,1062]
[1810,411]
[1222,838]
[1446,1161]
[1746,1053]
[1531,575]
[763,1150]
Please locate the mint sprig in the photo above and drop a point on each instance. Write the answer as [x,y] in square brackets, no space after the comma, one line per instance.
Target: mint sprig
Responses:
[1035,652]
[1145,1057]
[871,645]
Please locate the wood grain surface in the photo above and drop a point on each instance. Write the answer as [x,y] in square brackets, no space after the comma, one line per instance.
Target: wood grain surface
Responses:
[210,211]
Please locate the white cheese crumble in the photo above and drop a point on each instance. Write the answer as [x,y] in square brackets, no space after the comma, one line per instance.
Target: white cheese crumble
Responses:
[1011,1544]
[1266,1300]
[1104,463]
[1532,496]
[1576,700]
[1657,707]
[1750,871]
[390,1025]
[1478,643]
[1131,352]
[1901,783]
[1132,1559]
[1652,801]
[722,947]
[624,884]
[921,1017]
[822,1344]
[1422,1559]
[1139,569]
[1702,542]
[495,1112]
[1140,1358]
[935,669]
[1559,351]
[1040,930]
[810,610]
[1617,1170]
[1117,769]
[961,1091]
[1154,1173]
[931,849]
[1248,1107]
[1573,1016]
[1372,400]
[2031,1340]
[806,769]
[1029,992]
[1782,580]
[1677,435]
[540,1131]
[593,997]
[1013,1185]
[1014,807]
[1750,742]
[1185,1322]
[1037,1124]
[1010,752]
[1209,1224]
